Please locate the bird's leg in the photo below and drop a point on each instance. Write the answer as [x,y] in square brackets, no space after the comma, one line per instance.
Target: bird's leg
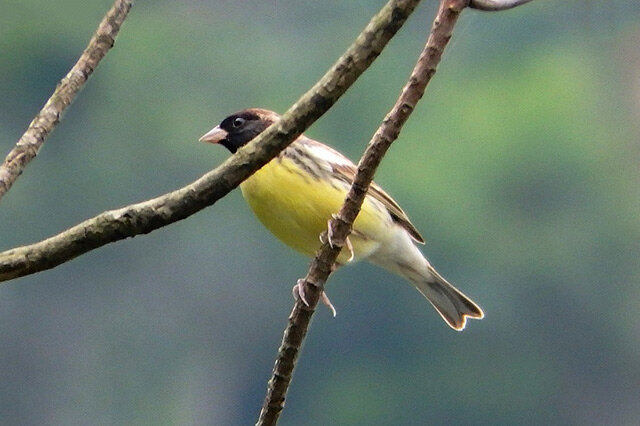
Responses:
[299,293]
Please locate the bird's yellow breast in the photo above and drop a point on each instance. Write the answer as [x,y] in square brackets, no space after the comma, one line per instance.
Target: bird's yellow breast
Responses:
[296,206]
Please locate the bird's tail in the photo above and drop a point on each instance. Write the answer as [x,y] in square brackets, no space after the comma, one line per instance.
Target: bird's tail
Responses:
[453,306]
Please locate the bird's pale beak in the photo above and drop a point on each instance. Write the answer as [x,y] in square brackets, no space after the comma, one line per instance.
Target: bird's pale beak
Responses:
[215,135]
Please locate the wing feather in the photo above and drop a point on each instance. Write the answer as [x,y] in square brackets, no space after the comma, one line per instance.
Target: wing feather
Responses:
[343,169]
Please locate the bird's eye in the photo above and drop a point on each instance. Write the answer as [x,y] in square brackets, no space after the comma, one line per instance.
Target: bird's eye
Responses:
[239,121]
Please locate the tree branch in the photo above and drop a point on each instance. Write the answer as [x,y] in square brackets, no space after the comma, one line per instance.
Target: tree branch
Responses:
[29,144]
[147,216]
[496,5]
[322,264]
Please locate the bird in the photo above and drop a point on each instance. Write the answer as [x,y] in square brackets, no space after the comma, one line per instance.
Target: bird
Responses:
[298,192]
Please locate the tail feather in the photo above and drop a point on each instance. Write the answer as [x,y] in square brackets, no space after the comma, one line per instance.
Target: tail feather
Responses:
[400,256]
[453,306]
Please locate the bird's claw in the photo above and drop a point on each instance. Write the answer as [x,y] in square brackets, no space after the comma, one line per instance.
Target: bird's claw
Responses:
[299,293]
[327,237]
[330,232]
[350,248]
[325,300]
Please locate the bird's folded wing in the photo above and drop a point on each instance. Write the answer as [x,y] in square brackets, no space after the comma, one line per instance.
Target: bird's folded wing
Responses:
[344,170]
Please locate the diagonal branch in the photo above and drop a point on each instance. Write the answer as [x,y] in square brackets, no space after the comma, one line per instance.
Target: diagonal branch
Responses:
[147,216]
[322,264]
[29,144]
[496,5]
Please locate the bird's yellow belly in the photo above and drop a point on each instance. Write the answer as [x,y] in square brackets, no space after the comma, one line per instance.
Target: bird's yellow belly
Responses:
[296,207]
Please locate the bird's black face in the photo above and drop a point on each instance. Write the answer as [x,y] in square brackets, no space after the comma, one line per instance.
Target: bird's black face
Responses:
[241,128]
[238,129]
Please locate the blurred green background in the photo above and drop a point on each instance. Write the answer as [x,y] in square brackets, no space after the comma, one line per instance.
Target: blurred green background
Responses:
[520,166]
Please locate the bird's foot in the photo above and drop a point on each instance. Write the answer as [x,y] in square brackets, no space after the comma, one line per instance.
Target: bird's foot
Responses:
[327,237]
[299,293]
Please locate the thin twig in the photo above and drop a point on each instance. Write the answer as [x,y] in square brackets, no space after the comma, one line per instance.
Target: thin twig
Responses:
[496,5]
[321,265]
[147,216]
[31,141]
